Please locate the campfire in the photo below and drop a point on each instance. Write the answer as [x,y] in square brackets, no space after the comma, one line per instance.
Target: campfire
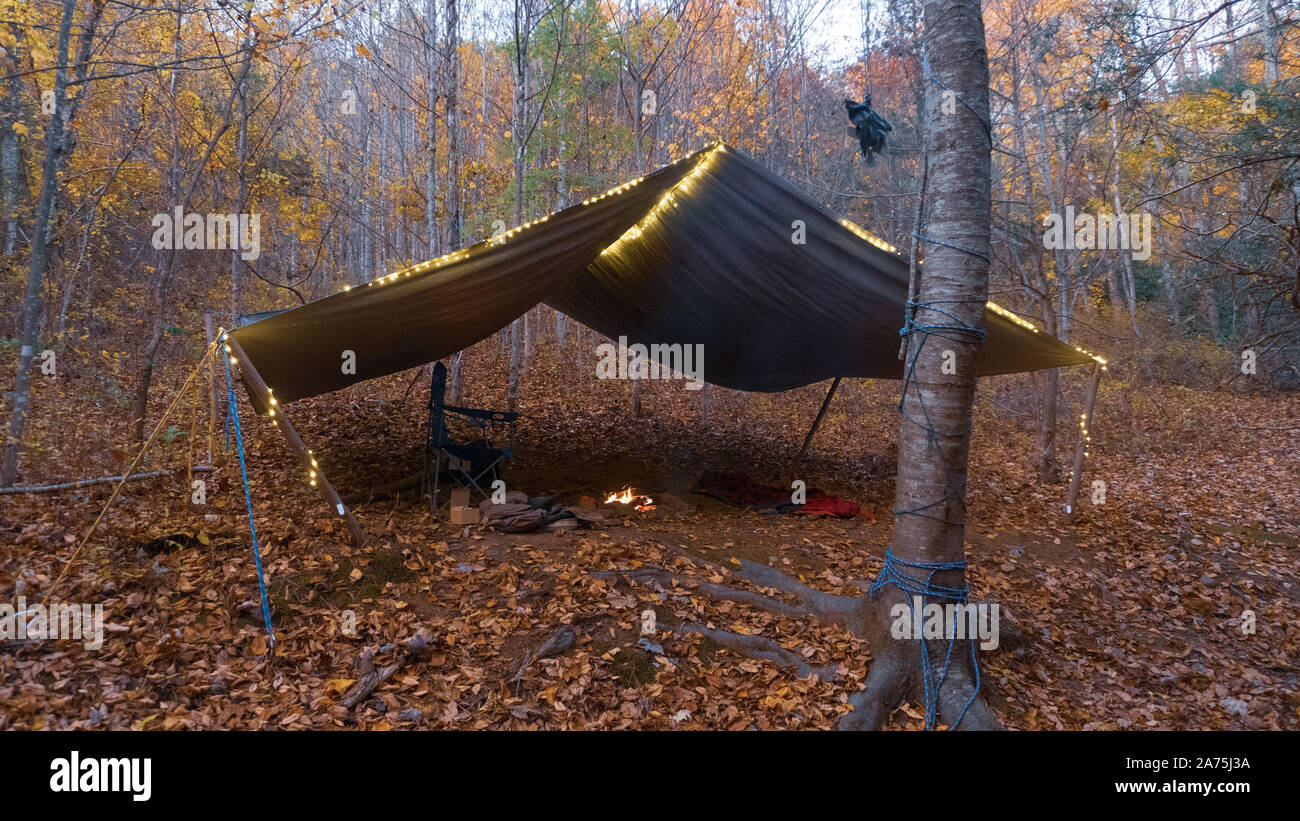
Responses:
[628,496]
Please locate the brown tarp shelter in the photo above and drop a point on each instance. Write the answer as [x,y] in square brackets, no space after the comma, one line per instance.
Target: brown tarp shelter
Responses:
[712,250]
[704,251]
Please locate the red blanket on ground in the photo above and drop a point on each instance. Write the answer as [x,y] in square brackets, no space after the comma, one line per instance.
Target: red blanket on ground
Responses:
[741,491]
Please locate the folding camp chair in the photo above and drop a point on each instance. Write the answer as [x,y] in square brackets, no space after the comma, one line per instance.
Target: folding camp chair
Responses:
[470,466]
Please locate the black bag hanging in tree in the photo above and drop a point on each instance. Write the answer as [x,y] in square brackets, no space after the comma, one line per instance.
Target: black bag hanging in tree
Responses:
[871,128]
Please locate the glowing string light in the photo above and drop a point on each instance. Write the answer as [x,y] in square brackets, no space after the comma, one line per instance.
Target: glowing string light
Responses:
[666,201]
[1024,323]
[863,233]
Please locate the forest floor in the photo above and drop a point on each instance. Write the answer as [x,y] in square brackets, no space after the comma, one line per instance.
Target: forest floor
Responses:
[1131,617]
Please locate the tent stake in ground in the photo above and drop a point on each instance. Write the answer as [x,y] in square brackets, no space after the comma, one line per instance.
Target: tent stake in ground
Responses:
[258,387]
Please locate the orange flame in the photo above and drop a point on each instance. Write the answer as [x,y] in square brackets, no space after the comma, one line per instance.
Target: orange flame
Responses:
[628,496]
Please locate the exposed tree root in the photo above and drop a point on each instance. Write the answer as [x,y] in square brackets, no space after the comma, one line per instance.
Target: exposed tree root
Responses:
[884,689]
[668,580]
[849,611]
[895,672]
[761,647]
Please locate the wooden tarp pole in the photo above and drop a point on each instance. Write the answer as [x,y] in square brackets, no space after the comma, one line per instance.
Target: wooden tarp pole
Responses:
[1081,448]
[212,382]
[807,440]
[254,381]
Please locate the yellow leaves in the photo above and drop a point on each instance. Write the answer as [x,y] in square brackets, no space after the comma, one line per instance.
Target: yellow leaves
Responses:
[363,51]
[140,725]
[21,130]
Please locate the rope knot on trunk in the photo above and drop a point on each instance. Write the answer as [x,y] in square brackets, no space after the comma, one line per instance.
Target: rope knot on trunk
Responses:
[917,587]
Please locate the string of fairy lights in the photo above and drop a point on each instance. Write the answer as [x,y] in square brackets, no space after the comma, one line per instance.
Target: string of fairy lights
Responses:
[667,202]
[1024,323]
[863,233]
[871,238]
[425,267]
[271,410]
[1087,436]
[505,236]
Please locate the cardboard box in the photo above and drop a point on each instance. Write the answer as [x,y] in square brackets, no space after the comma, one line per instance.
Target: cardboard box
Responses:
[464,515]
[460,497]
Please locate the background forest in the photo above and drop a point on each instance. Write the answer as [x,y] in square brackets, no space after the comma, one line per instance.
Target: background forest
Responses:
[368,137]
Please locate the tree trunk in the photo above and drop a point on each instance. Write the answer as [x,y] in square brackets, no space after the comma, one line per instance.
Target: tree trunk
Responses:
[241,162]
[81,63]
[1046,463]
[934,437]
[523,25]
[10,172]
[451,103]
[55,157]
[512,390]
[432,242]
[451,120]
[167,258]
[1268,33]
[1128,294]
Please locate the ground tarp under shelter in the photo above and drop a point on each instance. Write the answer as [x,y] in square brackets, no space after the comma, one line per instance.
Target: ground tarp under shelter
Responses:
[702,251]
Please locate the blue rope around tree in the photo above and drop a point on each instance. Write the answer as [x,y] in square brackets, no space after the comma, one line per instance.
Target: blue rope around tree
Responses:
[232,415]
[896,572]
[954,330]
